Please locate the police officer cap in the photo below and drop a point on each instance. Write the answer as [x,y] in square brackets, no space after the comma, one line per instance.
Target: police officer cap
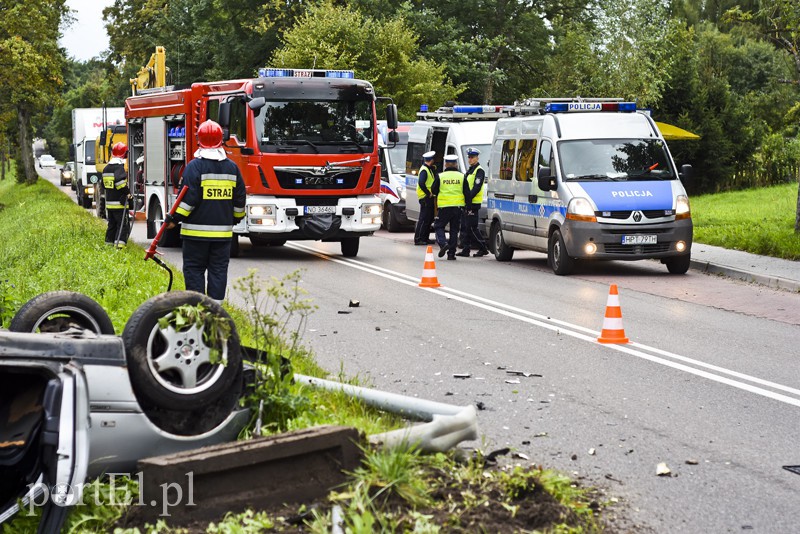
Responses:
[452,158]
[472,151]
[428,155]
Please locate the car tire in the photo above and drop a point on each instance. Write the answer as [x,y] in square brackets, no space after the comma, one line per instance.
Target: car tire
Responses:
[58,311]
[86,202]
[350,247]
[390,222]
[156,356]
[678,264]
[502,252]
[557,257]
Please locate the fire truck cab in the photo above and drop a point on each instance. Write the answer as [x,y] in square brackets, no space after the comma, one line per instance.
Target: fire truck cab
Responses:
[305,142]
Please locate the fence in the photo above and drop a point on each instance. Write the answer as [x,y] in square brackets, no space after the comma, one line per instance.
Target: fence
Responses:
[759,175]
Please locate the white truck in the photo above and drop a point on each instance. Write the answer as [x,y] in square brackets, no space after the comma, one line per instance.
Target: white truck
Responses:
[87,123]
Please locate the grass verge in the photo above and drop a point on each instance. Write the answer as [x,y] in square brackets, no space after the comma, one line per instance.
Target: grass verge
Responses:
[52,244]
[760,221]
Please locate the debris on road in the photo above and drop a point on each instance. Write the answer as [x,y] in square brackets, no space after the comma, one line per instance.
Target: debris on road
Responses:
[663,470]
[354,303]
[691,461]
[462,375]
[592,451]
[523,373]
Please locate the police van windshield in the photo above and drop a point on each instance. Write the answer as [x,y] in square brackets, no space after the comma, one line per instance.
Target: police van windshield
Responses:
[483,158]
[614,160]
[316,126]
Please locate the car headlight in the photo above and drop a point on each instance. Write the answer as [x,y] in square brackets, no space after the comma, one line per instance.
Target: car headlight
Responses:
[580,209]
[682,210]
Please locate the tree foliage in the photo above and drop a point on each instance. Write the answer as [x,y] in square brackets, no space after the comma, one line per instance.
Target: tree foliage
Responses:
[32,69]
[383,52]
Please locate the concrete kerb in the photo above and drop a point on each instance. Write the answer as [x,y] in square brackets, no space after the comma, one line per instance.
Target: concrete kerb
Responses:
[775,282]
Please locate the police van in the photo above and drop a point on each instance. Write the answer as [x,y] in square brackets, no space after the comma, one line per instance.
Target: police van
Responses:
[588,179]
[448,130]
[393,177]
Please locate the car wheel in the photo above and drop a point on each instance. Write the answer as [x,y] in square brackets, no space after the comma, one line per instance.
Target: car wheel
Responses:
[391,223]
[58,311]
[350,247]
[678,264]
[171,368]
[502,252]
[557,256]
[87,202]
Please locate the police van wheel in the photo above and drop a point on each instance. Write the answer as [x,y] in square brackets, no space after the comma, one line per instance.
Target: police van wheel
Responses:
[350,247]
[557,256]
[174,367]
[58,311]
[502,252]
[678,264]
[390,222]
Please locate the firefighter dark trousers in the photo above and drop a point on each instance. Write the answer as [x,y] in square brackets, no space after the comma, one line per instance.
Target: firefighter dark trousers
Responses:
[116,233]
[422,231]
[450,215]
[472,236]
[205,255]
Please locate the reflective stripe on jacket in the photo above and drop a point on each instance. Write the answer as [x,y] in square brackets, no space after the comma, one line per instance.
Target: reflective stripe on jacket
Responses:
[115,184]
[215,201]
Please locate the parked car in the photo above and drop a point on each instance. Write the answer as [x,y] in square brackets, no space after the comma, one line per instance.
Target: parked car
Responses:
[77,401]
[46,160]
[67,172]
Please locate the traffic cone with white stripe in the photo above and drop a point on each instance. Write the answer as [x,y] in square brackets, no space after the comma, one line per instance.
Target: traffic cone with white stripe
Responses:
[429,271]
[612,323]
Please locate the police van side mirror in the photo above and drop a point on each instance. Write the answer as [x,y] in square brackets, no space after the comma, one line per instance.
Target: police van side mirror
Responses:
[686,173]
[546,181]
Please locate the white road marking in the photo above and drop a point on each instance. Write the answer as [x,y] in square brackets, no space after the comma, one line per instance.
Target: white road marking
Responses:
[578,332]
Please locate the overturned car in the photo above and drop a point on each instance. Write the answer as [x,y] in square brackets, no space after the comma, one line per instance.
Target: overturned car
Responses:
[77,401]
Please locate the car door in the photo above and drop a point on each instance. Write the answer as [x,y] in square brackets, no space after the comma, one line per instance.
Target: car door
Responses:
[56,431]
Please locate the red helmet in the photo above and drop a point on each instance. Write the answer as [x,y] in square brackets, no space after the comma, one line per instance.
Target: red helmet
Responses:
[119,150]
[209,135]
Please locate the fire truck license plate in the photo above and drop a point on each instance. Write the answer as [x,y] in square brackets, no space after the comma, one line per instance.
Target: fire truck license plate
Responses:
[311,210]
[638,240]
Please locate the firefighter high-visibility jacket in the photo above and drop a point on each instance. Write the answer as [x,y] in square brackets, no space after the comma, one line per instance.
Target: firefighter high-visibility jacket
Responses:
[115,183]
[215,200]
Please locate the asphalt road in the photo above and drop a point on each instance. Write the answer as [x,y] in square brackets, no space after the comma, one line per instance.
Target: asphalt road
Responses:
[708,385]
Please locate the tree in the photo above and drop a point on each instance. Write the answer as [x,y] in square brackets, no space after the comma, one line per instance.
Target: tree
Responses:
[32,66]
[382,52]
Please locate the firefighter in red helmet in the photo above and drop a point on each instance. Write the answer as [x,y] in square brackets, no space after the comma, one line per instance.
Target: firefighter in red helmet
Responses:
[213,204]
[115,183]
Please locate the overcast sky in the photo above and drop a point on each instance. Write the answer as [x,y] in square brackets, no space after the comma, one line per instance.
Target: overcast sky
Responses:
[87,37]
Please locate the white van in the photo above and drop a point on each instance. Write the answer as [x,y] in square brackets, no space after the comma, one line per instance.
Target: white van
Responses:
[393,177]
[448,130]
[586,179]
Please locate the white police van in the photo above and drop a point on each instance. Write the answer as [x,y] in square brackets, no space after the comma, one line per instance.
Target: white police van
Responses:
[586,179]
[448,130]
[393,177]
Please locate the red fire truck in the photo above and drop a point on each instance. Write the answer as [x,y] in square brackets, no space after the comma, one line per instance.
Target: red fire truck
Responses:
[306,142]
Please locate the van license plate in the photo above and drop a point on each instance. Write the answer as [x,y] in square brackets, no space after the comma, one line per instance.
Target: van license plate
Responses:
[638,240]
[311,210]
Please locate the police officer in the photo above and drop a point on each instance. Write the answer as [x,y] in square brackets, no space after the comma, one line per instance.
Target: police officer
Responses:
[450,199]
[475,177]
[213,204]
[115,184]
[427,179]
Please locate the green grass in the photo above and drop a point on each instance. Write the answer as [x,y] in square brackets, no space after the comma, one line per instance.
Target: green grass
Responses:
[760,221]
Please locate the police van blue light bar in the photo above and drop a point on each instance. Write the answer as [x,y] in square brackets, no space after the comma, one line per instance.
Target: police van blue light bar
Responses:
[305,73]
[567,107]
[478,109]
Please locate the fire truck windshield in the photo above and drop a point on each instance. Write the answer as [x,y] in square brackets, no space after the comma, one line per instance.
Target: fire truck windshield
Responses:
[316,126]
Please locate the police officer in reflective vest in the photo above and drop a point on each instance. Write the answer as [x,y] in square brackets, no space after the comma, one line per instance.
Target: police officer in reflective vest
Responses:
[427,179]
[214,203]
[475,177]
[450,200]
[115,184]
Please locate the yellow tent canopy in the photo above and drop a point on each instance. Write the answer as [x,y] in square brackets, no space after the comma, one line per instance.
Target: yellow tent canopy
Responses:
[673,133]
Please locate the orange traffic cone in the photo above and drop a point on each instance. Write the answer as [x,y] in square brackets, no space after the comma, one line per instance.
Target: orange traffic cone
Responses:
[429,271]
[612,323]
